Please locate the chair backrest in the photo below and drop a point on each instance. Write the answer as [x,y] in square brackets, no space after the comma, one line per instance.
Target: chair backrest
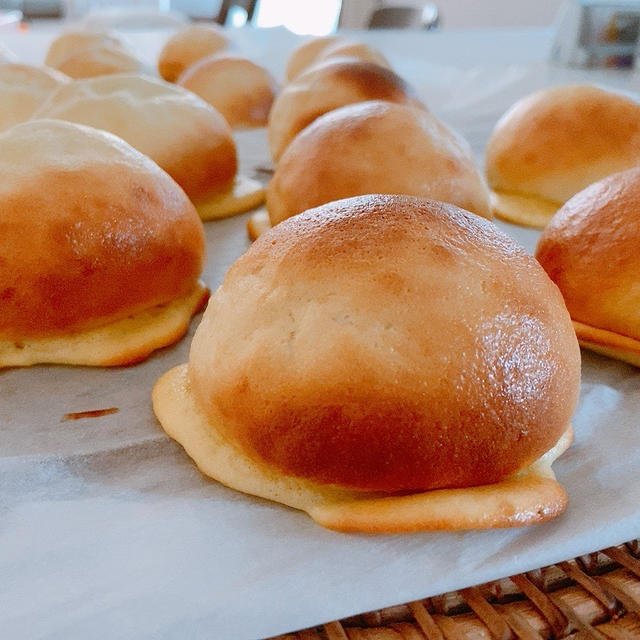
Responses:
[399,17]
[225,6]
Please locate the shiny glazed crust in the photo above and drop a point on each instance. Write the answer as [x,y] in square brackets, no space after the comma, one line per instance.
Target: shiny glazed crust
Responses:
[239,89]
[375,147]
[361,343]
[555,142]
[328,86]
[531,496]
[23,88]
[188,46]
[187,137]
[590,250]
[83,213]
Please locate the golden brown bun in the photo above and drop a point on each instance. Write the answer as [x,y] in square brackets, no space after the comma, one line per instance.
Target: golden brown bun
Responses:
[354,50]
[305,54]
[554,143]
[375,147]
[328,86]
[590,250]
[100,61]
[387,343]
[72,42]
[188,46]
[239,89]
[187,137]
[23,89]
[92,232]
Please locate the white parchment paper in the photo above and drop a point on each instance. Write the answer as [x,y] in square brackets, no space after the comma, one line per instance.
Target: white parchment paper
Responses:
[107,530]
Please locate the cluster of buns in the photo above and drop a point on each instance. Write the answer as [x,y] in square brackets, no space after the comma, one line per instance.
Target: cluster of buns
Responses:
[566,159]
[385,362]
[347,125]
[197,58]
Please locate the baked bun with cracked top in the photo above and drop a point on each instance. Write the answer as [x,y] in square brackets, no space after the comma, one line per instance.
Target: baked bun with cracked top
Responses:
[100,249]
[23,89]
[556,142]
[590,250]
[372,147]
[329,86]
[189,45]
[72,42]
[239,89]
[385,363]
[186,136]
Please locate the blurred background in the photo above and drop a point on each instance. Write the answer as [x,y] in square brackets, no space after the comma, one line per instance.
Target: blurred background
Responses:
[317,17]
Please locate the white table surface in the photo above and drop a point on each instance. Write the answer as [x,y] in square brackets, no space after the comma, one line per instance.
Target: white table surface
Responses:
[108,531]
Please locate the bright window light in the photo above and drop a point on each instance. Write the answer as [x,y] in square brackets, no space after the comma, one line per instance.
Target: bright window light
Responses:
[313,17]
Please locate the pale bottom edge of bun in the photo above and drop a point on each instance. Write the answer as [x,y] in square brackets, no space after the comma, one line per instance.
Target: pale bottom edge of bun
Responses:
[608,343]
[258,224]
[528,497]
[123,342]
[523,210]
[244,195]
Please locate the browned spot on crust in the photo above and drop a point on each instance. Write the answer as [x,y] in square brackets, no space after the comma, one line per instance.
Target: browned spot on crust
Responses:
[94,413]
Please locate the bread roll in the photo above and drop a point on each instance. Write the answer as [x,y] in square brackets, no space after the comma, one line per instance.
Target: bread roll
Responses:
[71,42]
[101,250]
[556,142]
[23,89]
[329,86]
[305,54]
[590,250]
[239,89]
[187,137]
[100,61]
[375,147]
[354,50]
[188,46]
[378,346]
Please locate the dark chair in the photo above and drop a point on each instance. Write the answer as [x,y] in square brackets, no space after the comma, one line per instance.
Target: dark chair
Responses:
[399,17]
[225,6]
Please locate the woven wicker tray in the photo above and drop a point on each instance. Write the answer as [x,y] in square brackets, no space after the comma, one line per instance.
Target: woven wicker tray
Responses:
[595,596]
